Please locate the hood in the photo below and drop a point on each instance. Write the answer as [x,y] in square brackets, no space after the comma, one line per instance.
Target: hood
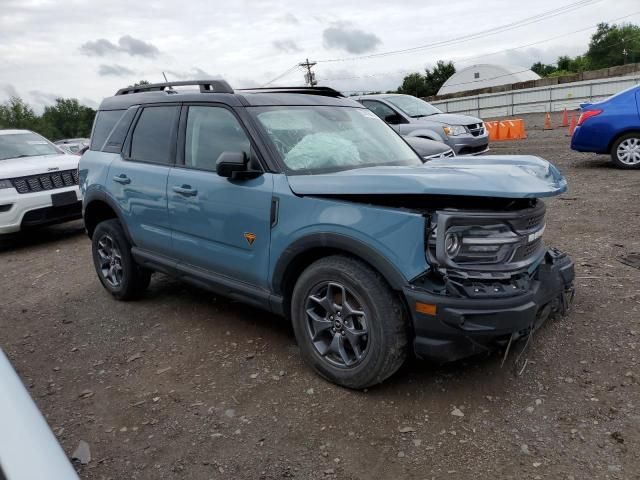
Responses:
[449,119]
[426,147]
[506,176]
[22,167]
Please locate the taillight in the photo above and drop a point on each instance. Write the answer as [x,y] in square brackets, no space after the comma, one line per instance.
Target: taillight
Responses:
[588,114]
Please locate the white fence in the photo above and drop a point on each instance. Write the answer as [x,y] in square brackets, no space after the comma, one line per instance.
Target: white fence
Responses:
[552,98]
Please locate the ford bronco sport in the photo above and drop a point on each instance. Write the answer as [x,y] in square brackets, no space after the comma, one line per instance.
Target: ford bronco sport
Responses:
[306,204]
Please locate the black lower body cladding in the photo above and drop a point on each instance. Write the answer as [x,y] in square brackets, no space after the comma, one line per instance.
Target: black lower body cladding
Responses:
[458,327]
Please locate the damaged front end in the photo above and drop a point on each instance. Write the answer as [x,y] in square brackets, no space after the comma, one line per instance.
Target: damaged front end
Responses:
[491,279]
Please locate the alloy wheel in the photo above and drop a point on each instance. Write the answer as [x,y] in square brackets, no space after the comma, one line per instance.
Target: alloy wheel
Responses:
[628,151]
[337,324]
[110,261]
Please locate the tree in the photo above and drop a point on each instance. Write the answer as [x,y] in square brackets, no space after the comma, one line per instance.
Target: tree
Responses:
[435,78]
[413,84]
[542,69]
[609,44]
[141,82]
[67,119]
[428,84]
[15,113]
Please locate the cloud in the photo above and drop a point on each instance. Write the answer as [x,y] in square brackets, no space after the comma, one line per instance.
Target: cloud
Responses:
[289,18]
[126,44]
[287,46]
[114,70]
[10,90]
[349,39]
[134,46]
[194,74]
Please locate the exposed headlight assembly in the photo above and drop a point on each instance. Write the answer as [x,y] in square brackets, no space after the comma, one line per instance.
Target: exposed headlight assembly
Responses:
[454,130]
[486,241]
[5,184]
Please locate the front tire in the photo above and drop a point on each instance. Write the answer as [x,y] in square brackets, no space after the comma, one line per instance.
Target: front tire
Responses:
[625,151]
[116,269]
[349,324]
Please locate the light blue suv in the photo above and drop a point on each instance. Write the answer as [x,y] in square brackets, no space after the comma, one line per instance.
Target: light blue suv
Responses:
[304,203]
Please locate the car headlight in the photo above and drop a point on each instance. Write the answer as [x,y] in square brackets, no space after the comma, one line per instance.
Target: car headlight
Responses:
[5,184]
[454,130]
[479,244]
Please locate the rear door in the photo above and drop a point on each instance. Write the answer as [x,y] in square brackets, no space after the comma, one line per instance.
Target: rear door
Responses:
[219,225]
[137,180]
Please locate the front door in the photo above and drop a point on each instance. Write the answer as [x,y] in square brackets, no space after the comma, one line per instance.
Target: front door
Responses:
[385,112]
[138,179]
[218,224]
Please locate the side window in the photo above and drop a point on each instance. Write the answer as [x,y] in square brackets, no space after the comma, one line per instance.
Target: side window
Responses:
[119,132]
[380,109]
[210,132]
[152,137]
[105,121]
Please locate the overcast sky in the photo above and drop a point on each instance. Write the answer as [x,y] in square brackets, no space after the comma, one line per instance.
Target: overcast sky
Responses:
[88,49]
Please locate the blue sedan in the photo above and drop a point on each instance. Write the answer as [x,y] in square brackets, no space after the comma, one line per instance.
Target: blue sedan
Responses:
[611,127]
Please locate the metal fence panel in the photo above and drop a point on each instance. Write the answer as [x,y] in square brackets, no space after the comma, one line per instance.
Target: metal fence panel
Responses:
[541,99]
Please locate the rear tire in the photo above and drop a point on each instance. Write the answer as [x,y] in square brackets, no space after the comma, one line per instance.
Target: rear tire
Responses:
[349,324]
[625,151]
[116,269]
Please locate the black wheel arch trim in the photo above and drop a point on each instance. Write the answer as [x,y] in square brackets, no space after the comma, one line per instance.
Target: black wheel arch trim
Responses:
[336,241]
[99,196]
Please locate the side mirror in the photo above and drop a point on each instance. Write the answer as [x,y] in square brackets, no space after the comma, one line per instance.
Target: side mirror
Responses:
[235,165]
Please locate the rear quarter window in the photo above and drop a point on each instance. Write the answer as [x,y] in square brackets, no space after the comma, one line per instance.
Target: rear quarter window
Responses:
[105,121]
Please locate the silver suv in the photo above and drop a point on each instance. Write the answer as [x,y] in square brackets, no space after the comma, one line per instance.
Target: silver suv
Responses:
[413,117]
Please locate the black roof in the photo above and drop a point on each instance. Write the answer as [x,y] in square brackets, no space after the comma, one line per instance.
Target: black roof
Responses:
[219,91]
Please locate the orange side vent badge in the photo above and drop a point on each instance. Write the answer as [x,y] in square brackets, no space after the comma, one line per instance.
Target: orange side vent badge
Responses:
[250,238]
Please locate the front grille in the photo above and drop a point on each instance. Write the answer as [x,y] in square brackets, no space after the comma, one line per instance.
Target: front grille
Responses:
[449,154]
[526,251]
[472,150]
[45,181]
[476,129]
[532,222]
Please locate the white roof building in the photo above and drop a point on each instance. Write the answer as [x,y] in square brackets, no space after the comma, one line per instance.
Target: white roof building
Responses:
[486,75]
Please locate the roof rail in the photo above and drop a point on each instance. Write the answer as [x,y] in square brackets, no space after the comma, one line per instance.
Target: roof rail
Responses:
[323,91]
[206,86]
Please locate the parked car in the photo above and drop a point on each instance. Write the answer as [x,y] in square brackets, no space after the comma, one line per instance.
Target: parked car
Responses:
[28,448]
[413,117]
[304,203]
[429,149]
[612,127]
[38,182]
[73,145]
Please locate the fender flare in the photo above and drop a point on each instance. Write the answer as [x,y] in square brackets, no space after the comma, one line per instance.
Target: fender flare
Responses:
[339,242]
[102,197]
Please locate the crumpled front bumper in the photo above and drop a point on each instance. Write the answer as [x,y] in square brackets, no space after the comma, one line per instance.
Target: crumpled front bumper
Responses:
[461,326]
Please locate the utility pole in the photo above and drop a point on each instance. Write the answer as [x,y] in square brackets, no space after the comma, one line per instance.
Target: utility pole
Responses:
[309,77]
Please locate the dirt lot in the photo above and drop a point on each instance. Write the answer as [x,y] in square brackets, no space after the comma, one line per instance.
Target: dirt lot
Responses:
[184,385]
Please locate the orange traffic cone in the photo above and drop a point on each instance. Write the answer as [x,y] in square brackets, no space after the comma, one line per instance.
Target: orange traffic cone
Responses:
[547,122]
[565,118]
[574,123]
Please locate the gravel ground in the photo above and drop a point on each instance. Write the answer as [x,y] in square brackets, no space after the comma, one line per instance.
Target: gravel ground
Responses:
[185,385]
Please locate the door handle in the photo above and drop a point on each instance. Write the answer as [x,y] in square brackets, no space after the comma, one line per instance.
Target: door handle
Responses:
[122,178]
[185,190]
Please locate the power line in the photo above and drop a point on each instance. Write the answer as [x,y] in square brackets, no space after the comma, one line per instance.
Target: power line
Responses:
[287,72]
[474,36]
[466,59]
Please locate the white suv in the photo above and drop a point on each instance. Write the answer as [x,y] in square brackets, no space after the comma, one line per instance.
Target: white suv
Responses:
[38,182]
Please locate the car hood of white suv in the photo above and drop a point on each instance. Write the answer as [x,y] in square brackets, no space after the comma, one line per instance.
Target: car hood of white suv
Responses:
[25,166]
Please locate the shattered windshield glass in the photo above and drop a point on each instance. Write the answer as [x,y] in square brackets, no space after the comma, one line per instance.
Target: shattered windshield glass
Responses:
[319,139]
